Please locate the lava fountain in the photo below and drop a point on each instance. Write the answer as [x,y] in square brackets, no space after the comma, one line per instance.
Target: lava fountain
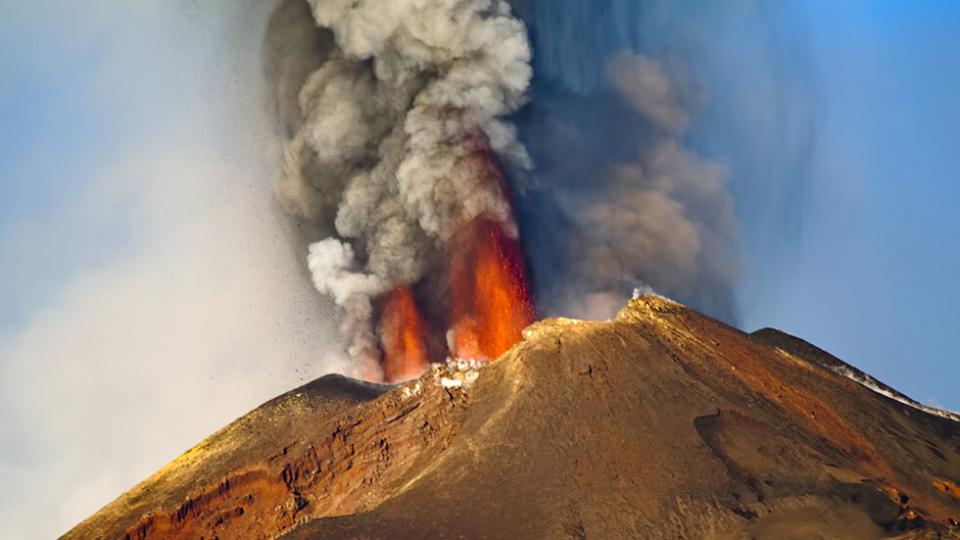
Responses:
[491,303]
[487,303]
[402,336]
[488,307]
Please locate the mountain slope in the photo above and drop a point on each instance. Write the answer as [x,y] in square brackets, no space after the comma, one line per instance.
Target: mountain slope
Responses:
[661,424]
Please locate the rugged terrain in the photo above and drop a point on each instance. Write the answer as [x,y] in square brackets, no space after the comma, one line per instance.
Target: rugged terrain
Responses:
[661,424]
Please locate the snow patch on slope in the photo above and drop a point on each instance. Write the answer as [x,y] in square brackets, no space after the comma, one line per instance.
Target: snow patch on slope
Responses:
[880,388]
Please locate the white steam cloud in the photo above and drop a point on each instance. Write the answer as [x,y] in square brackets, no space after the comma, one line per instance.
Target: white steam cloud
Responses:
[386,133]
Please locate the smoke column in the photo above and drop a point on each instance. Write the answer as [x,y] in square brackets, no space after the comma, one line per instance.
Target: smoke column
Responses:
[429,170]
[390,135]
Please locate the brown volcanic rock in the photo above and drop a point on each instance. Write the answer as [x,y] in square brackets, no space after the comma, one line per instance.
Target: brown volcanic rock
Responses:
[661,424]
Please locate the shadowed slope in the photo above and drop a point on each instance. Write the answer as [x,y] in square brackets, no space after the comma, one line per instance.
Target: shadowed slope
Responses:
[663,423]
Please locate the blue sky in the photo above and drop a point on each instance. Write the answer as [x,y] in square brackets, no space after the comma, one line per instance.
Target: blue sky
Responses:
[46,139]
[873,279]
[135,165]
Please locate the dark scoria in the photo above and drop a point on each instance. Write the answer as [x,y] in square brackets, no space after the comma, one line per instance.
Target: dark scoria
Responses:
[661,424]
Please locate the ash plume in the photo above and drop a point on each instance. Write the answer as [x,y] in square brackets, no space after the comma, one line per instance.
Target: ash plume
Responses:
[650,120]
[396,113]
[663,219]
[384,133]
[620,201]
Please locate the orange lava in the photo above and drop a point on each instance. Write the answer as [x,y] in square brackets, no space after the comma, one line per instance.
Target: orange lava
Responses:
[491,302]
[402,337]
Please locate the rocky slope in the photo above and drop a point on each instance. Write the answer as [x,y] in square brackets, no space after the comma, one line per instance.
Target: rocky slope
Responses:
[661,424]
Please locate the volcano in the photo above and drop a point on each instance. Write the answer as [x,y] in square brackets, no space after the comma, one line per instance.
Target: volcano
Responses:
[662,423]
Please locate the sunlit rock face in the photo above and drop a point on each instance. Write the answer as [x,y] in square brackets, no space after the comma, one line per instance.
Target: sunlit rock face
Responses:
[662,423]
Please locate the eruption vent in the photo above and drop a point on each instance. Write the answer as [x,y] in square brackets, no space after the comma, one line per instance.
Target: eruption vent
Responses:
[397,139]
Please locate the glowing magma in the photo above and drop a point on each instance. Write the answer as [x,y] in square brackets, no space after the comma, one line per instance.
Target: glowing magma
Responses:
[402,337]
[491,302]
